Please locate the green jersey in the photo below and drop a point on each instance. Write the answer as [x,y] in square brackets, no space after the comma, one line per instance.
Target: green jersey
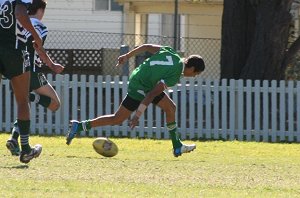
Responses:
[164,66]
[9,26]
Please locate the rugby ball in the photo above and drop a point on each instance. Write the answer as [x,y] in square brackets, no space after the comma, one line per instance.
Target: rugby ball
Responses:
[105,147]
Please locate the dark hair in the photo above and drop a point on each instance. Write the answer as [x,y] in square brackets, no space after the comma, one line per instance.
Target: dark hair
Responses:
[36,4]
[195,61]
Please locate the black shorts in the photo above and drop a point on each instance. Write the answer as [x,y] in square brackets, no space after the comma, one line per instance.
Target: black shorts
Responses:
[13,62]
[37,80]
[132,104]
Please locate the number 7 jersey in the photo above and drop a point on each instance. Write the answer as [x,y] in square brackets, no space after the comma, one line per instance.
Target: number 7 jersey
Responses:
[164,66]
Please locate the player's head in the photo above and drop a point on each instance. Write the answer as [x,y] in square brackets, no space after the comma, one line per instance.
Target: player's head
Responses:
[194,65]
[37,8]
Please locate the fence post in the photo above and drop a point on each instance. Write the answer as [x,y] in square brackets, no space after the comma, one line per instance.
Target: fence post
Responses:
[125,68]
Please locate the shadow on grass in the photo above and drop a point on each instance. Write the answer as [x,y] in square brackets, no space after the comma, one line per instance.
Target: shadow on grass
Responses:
[16,167]
[81,157]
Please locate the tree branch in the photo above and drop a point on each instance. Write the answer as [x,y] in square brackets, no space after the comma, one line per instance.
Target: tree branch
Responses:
[291,52]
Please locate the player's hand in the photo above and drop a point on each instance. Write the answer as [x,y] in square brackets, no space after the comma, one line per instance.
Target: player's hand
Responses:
[134,121]
[121,60]
[57,68]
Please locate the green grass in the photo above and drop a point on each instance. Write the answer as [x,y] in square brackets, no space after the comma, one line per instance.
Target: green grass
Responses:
[147,168]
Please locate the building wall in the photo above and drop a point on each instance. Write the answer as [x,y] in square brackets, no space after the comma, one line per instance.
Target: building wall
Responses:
[79,15]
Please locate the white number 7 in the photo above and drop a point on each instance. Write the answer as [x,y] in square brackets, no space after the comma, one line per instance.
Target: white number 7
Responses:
[168,62]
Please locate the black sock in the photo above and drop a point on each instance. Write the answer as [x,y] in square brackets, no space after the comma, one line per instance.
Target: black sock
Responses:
[24,133]
[44,101]
[31,97]
[40,99]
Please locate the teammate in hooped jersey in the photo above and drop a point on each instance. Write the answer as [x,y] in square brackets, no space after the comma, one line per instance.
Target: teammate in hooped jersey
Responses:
[44,94]
[15,65]
[147,84]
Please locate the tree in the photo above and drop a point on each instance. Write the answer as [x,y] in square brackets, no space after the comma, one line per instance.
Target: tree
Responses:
[255,36]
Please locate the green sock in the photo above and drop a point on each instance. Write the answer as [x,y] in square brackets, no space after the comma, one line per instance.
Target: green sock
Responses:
[84,125]
[172,128]
[15,133]
[24,133]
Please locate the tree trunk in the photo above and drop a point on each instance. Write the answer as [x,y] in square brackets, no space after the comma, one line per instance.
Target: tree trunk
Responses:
[234,38]
[254,38]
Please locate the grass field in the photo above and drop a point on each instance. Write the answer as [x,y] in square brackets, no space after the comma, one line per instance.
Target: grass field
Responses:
[147,168]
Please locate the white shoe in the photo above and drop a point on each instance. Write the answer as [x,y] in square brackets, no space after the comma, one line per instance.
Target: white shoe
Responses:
[184,149]
[34,153]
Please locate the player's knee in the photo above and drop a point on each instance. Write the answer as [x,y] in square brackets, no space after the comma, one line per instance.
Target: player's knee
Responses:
[54,106]
[118,120]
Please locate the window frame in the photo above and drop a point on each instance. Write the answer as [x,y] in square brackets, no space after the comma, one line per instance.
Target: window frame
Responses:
[110,2]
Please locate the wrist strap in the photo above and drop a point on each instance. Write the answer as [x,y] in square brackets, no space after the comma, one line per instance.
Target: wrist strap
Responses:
[140,110]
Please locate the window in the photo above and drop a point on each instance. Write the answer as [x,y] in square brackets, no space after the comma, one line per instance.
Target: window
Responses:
[109,5]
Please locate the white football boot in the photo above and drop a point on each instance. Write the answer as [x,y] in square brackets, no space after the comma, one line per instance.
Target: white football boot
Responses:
[185,148]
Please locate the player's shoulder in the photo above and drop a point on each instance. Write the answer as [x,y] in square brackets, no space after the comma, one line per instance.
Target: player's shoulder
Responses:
[41,28]
[168,49]
[24,2]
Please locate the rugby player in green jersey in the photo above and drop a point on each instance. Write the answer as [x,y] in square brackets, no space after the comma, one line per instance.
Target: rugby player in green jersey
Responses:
[147,84]
[15,66]
[44,94]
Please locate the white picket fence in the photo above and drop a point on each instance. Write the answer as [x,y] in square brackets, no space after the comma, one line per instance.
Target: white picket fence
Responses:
[206,109]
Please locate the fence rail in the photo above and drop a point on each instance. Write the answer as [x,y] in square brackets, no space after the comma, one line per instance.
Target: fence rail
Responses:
[206,109]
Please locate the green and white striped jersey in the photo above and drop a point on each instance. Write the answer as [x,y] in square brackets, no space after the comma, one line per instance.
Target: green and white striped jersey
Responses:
[42,31]
[9,26]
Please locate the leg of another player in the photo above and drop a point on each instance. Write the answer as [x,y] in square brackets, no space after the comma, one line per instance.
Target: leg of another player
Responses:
[48,97]
[20,85]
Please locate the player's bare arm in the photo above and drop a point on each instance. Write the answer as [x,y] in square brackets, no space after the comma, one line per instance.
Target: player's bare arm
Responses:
[158,89]
[152,48]
[57,68]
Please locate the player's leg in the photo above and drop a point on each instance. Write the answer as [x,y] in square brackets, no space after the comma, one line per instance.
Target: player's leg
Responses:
[12,143]
[47,97]
[45,94]
[169,107]
[21,90]
[124,111]
[17,70]
[13,68]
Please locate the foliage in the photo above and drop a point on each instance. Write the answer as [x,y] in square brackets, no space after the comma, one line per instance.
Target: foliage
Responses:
[292,71]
